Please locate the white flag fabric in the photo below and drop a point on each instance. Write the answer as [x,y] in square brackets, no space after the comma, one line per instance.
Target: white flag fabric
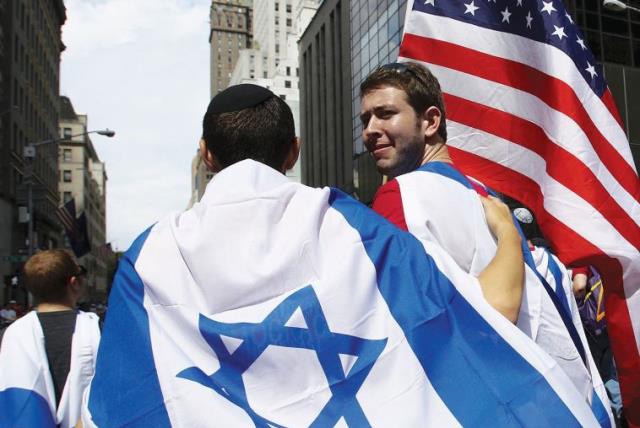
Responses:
[27,394]
[559,278]
[270,303]
[439,204]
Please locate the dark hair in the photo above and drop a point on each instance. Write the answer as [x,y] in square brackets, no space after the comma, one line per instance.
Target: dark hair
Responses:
[263,133]
[420,85]
[47,273]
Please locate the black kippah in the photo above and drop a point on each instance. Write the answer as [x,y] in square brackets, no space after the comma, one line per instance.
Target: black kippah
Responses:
[238,97]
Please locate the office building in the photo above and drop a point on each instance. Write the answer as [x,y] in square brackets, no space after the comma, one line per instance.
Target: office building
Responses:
[230,32]
[614,38]
[325,98]
[30,47]
[83,178]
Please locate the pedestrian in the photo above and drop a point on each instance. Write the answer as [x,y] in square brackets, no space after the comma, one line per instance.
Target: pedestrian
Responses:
[404,128]
[48,356]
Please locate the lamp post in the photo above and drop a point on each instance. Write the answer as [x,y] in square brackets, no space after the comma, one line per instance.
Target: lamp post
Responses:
[29,154]
[618,6]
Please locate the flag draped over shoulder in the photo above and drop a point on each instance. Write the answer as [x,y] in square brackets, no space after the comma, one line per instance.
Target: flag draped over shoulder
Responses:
[75,228]
[529,114]
[273,304]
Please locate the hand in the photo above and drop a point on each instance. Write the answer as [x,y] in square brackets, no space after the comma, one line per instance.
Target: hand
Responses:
[499,218]
[579,285]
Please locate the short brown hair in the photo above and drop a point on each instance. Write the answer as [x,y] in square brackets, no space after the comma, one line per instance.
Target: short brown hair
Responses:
[47,274]
[420,85]
[264,133]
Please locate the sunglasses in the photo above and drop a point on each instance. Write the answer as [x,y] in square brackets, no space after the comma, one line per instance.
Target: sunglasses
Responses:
[401,68]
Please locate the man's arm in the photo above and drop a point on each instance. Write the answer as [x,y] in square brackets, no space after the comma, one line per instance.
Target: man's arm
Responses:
[502,280]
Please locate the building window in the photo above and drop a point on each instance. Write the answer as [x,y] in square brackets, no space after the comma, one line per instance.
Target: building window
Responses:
[288,22]
[288,71]
[66,133]
[66,176]
[66,197]
[287,83]
[283,96]
[277,48]
[66,155]
[277,6]
[288,8]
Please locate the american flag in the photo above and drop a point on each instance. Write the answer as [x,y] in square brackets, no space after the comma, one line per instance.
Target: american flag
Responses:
[75,228]
[529,114]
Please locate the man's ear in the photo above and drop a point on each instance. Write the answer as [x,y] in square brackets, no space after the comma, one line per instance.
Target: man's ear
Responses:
[431,121]
[292,156]
[209,158]
[75,286]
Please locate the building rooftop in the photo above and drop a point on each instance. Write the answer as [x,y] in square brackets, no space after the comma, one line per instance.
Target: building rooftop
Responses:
[66,109]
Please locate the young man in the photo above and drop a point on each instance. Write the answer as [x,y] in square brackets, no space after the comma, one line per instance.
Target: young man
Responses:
[47,357]
[270,303]
[404,128]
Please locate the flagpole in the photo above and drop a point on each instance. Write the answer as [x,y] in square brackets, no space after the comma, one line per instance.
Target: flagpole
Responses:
[29,154]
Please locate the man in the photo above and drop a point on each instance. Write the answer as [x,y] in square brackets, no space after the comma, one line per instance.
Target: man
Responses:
[48,356]
[270,303]
[404,128]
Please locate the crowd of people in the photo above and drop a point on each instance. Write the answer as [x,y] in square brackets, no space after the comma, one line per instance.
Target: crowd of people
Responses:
[258,249]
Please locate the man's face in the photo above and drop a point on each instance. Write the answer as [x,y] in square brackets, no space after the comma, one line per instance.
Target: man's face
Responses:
[391,131]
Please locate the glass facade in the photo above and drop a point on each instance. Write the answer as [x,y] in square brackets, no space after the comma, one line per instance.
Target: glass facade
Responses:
[376,30]
[614,38]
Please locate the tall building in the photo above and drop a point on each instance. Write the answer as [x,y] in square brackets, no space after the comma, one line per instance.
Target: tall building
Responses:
[269,59]
[272,62]
[230,32]
[373,33]
[614,38]
[30,47]
[83,178]
[326,97]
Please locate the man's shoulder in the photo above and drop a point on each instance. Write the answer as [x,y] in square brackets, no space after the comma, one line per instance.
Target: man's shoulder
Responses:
[19,326]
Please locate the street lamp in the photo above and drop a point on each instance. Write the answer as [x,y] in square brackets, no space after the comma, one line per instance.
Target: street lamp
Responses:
[29,154]
[618,6]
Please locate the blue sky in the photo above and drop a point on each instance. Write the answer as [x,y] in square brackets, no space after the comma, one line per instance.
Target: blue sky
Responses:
[140,67]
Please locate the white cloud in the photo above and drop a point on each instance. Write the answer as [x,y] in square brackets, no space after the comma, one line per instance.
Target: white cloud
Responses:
[140,67]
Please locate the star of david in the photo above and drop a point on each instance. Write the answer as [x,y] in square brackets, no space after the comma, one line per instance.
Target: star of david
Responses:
[256,337]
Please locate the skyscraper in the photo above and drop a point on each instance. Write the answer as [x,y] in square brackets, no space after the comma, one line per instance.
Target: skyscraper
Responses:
[29,105]
[231,31]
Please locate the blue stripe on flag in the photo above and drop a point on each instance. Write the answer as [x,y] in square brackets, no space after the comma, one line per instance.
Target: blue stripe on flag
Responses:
[126,389]
[478,375]
[24,408]
[599,411]
[557,276]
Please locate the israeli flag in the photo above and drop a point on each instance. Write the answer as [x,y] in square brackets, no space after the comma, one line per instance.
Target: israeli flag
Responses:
[27,392]
[273,304]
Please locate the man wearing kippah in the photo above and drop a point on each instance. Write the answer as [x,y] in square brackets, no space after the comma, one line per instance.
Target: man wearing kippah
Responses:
[404,128]
[269,303]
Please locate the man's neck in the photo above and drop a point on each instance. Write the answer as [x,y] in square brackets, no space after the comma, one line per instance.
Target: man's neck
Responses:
[437,152]
[54,307]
